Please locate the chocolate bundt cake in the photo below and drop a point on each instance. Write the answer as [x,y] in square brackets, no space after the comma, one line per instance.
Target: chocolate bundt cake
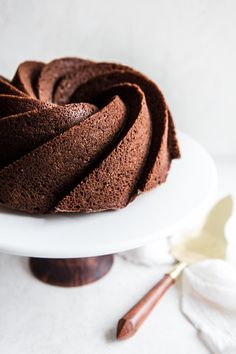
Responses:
[79,136]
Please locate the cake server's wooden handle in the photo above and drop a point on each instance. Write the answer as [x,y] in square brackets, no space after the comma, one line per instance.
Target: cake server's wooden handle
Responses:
[133,319]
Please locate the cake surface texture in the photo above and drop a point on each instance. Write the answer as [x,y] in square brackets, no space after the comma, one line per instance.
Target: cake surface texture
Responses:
[81,136]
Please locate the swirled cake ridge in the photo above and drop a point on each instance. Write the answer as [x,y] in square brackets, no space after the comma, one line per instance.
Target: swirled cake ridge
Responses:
[80,136]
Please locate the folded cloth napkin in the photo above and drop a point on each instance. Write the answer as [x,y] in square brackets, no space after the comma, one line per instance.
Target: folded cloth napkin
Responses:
[152,254]
[208,300]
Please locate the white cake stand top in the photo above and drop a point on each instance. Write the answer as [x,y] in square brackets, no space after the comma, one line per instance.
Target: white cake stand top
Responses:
[189,190]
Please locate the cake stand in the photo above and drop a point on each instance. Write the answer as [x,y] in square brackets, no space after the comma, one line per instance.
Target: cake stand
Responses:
[73,249]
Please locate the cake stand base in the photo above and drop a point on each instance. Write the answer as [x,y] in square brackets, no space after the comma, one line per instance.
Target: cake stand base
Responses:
[71,272]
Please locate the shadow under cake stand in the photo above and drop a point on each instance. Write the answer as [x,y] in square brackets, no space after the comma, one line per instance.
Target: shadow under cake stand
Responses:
[73,250]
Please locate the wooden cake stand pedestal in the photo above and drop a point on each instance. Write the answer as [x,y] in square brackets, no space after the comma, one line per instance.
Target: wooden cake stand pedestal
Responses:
[73,250]
[71,272]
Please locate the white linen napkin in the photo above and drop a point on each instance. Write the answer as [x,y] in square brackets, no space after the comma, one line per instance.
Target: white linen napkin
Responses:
[152,254]
[208,300]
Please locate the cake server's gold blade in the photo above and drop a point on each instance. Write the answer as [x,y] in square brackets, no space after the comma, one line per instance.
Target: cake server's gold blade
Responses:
[210,241]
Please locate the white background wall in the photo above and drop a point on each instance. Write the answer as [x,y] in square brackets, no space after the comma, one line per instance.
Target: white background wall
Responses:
[187,46]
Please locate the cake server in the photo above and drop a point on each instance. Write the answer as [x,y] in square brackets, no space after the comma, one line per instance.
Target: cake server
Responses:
[208,242]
